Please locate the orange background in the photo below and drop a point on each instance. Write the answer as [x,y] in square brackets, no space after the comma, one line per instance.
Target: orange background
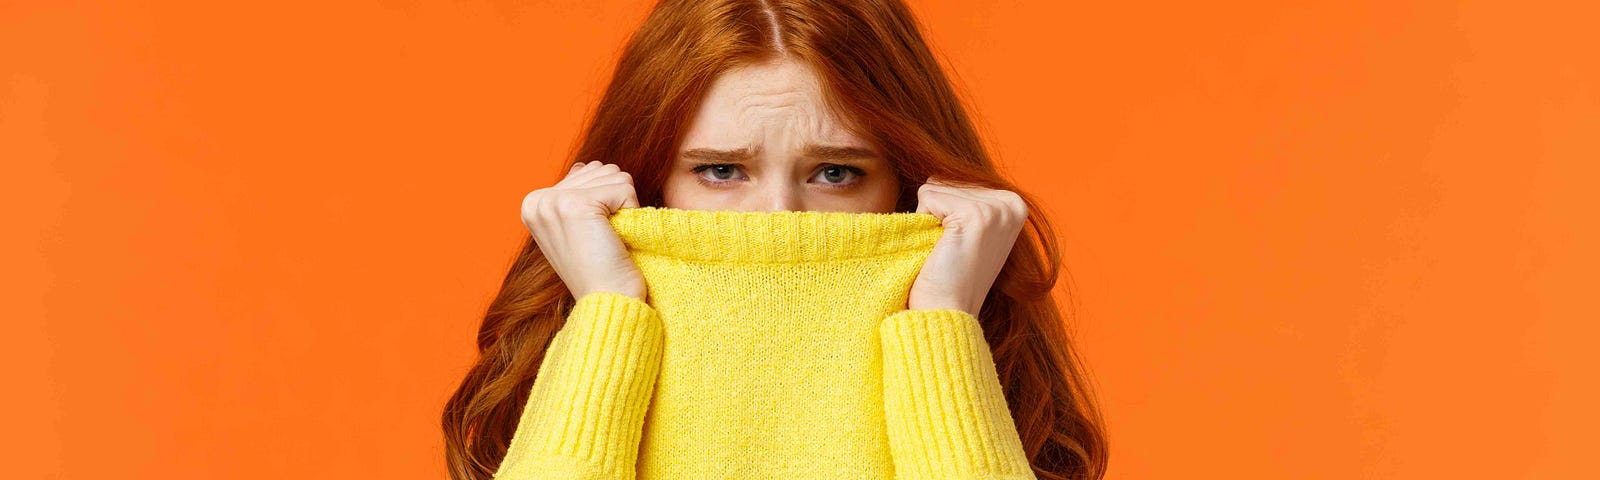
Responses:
[1333,239]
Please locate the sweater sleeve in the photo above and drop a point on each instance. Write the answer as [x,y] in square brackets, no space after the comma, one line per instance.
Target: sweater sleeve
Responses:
[947,416]
[585,413]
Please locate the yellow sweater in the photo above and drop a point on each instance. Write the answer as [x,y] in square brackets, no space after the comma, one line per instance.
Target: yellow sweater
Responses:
[772,345]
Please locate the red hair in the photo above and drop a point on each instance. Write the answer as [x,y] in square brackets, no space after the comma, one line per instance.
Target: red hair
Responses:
[875,70]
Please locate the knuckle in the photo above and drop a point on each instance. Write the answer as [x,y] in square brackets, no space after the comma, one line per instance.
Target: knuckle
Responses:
[568,203]
[531,200]
[988,213]
[1014,202]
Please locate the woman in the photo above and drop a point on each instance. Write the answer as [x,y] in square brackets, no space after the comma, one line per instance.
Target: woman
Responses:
[772,105]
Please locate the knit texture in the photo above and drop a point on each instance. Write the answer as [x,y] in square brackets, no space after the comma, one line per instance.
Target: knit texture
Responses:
[773,345]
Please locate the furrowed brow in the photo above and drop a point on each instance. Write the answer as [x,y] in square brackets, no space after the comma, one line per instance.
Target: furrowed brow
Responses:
[714,155]
[826,152]
[822,152]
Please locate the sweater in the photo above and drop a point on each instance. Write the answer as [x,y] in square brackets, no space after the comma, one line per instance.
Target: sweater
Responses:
[770,345]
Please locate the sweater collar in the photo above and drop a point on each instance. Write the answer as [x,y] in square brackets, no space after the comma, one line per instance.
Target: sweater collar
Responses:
[772,237]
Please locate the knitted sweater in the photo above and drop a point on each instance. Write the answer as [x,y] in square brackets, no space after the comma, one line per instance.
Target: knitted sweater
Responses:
[772,345]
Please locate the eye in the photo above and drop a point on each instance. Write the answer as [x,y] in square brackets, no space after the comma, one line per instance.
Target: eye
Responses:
[839,176]
[719,173]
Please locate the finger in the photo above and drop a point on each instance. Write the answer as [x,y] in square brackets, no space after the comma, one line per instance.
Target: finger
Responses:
[922,197]
[938,184]
[615,196]
[945,182]
[605,179]
[572,168]
[572,171]
[589,173]
[934,202]
[581,166]
[970,193]
[593,170]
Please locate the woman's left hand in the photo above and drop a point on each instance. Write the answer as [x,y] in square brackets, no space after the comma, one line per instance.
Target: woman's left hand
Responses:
[980,228]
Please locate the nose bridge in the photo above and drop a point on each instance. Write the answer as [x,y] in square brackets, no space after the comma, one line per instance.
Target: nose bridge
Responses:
[780,194]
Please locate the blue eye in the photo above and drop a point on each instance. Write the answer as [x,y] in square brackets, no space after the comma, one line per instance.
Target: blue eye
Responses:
[839,176]
[721,173]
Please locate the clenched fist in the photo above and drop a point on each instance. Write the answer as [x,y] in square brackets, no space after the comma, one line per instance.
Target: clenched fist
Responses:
[571,223]
[980,227]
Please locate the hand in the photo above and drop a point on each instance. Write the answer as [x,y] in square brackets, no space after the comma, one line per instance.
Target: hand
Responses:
[571,223]
[980,228]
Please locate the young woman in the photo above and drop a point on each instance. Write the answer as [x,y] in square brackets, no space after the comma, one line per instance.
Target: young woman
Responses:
[774,105]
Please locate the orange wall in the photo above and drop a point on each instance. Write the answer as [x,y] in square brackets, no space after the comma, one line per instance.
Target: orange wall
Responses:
[1331,240]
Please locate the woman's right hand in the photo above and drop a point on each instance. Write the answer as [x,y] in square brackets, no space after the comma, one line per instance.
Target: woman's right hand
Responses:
[571,223]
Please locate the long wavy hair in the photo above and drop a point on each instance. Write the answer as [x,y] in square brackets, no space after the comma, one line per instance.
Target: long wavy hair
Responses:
[876,70]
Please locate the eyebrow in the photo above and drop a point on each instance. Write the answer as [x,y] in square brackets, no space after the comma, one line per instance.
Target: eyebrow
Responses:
[825,152]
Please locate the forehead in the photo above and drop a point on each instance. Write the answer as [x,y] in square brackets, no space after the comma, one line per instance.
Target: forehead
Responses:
[753,105]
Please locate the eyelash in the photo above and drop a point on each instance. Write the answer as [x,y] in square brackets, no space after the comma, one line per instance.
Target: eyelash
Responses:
[857,172]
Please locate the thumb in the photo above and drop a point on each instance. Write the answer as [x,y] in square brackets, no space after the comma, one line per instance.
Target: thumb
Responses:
[617,196]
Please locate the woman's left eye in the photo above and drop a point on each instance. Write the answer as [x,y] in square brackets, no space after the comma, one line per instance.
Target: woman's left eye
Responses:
[839,175]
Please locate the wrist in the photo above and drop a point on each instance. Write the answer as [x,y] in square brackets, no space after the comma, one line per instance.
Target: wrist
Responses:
[931,304]
[637,292]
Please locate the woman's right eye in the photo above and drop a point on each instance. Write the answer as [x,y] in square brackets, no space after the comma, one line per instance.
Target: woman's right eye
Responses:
[717,172]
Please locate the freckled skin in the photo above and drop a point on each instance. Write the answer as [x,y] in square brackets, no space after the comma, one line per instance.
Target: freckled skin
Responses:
[776,110]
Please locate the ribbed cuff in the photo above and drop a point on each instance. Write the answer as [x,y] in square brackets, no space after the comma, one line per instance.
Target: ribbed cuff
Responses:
[946,413]
[584,416]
